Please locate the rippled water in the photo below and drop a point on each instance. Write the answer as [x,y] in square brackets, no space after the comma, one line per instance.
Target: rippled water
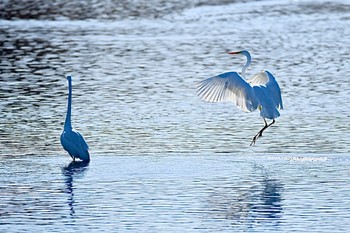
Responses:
[176,193]
[163,160]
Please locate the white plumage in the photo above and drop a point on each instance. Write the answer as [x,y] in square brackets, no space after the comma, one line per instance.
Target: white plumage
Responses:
[259,92]
[72,141]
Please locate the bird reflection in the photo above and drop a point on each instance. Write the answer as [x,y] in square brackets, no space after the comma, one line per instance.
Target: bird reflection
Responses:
[249,203]
[268,202]
[71,171]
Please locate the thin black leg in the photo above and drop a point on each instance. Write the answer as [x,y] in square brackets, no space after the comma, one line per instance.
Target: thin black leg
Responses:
[259,134]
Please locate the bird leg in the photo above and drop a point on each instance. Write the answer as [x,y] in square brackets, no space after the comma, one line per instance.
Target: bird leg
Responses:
[259,134]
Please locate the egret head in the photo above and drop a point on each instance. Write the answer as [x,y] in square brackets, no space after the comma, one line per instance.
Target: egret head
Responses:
[249,59]
[244,52]
[234,52]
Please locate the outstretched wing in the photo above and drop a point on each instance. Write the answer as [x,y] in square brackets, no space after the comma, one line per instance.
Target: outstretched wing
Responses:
[267,80]
[228,86]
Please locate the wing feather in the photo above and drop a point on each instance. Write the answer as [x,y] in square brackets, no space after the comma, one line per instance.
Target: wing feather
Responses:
[228,86]
[83,143]
[275,90]
[266,79]
[74,143]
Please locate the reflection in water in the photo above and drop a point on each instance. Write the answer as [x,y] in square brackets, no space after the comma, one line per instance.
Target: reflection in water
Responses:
[268,204]
[254,202]
[74,169]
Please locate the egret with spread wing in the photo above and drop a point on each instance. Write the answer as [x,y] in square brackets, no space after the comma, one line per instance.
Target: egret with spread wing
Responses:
[71,140]
[259,92]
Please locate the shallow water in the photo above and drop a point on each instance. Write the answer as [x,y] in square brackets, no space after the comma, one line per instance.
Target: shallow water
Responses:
[177,193]
[163,160]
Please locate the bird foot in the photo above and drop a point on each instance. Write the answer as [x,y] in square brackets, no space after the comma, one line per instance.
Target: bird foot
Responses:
[256,137]
[259,134]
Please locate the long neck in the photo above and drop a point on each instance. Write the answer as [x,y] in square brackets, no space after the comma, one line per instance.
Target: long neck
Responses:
[249,59]
[67,123]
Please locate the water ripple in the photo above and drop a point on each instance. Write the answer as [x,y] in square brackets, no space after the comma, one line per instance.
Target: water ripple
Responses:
[162,160]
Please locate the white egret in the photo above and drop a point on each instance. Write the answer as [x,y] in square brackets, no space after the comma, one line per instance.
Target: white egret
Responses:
[259,92]
[71,140]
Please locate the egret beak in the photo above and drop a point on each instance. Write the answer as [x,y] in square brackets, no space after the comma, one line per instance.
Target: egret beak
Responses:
[235,52]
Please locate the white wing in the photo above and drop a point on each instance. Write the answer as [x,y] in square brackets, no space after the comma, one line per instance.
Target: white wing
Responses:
[228,86]
[266,79]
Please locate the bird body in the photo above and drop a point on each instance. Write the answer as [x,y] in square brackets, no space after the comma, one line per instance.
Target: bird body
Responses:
[259,92]
[71,140]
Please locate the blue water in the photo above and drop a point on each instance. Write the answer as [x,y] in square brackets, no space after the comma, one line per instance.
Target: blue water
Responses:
[162,159]
[177,193]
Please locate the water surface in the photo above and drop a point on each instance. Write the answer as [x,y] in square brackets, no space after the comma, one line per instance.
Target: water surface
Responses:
[162,159]
[177,193]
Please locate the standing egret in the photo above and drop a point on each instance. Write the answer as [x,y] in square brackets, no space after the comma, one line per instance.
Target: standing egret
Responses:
[71,140]
[260,91]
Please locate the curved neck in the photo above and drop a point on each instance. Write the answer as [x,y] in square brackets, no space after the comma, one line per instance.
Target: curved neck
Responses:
[249,59]
[67,123]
